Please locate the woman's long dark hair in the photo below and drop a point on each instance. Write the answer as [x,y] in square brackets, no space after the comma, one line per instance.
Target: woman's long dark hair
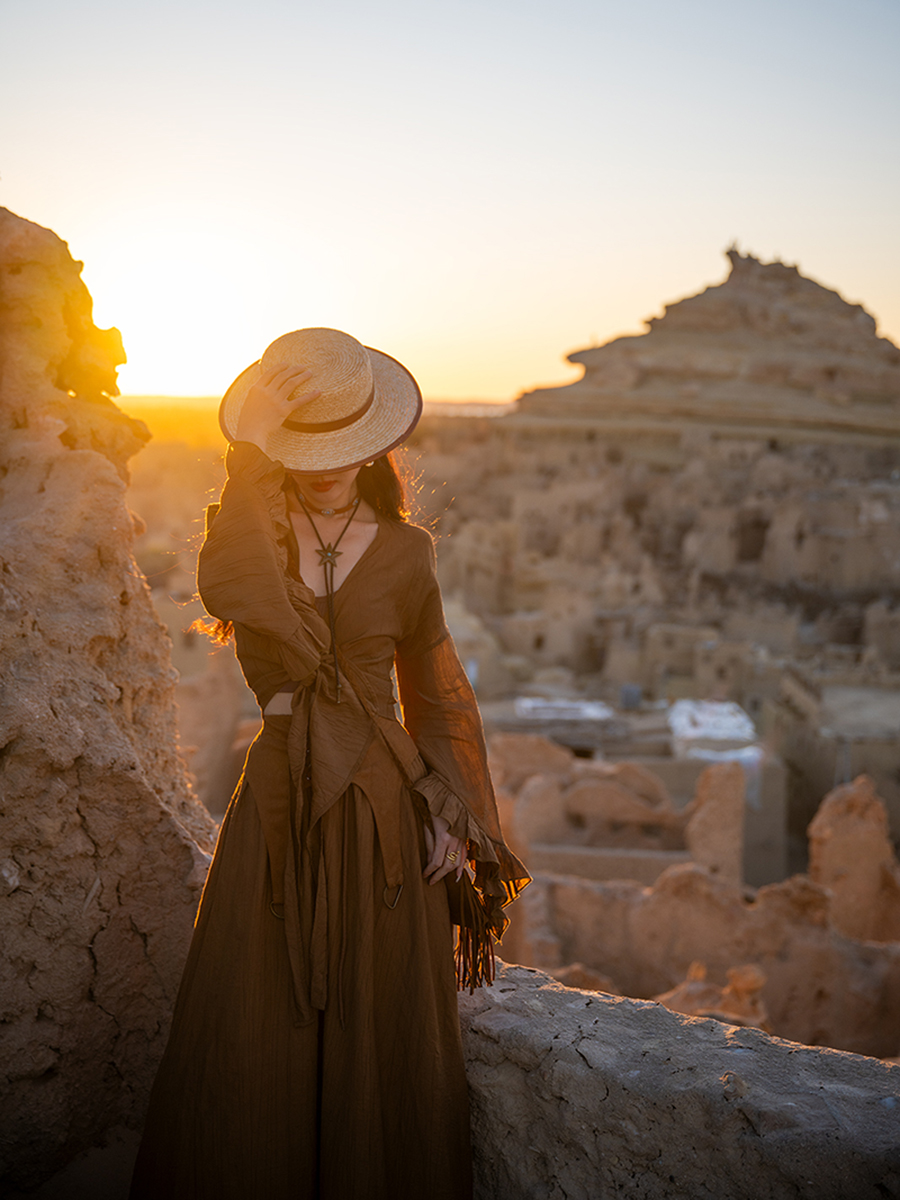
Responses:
[381,485]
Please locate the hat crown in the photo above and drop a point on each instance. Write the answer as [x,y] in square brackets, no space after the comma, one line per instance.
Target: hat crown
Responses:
[341,370]
[368,402]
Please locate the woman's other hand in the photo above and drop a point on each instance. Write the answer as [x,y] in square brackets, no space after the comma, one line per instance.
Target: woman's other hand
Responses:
[440,845]
[268,403]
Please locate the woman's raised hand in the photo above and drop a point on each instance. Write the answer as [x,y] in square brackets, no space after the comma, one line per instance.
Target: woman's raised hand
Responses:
[268,403]
[441,846]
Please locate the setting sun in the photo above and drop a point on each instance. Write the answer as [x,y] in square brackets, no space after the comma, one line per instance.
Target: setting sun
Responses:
[190,299]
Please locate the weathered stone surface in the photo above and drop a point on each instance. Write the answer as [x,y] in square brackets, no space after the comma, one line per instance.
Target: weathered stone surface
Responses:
[577,1096]
[715,827]
[103,848]
[851,854]
[821,987]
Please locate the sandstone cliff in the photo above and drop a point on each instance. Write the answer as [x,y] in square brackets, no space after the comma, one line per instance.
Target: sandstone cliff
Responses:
[102,846]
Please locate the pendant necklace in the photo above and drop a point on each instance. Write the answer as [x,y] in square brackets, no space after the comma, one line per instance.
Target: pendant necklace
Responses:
[328,556]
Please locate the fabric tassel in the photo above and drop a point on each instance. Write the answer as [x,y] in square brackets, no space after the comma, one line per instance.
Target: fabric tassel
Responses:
[475,944]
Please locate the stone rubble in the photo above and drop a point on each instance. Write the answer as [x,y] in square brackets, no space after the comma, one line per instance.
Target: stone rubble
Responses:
[606,903]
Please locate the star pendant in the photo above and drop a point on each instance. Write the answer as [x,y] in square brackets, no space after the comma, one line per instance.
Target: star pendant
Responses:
[329,556]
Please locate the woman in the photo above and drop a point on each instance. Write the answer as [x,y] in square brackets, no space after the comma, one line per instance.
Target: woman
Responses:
[315,1049]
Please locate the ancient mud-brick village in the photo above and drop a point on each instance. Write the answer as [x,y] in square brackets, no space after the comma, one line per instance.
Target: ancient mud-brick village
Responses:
[675,587]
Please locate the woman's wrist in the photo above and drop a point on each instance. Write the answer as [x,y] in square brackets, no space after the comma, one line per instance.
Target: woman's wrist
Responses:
[253,432]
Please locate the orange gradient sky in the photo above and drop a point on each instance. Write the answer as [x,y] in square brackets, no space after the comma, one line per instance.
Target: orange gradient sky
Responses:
[476,188]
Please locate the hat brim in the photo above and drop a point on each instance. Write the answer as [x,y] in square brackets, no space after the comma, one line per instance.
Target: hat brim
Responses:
[389,420]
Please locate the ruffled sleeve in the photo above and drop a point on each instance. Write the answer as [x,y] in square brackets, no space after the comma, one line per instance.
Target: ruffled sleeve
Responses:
[441,714]
[242,572]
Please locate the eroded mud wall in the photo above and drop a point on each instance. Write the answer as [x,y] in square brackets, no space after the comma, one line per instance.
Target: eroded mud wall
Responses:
[103,849]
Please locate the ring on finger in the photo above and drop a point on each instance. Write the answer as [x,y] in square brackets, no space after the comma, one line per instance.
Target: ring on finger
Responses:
[452,855]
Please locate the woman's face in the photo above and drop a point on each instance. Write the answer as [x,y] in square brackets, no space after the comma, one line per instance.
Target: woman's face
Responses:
[331,489]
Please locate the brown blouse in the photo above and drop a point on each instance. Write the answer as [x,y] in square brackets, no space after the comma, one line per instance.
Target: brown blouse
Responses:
[388,614]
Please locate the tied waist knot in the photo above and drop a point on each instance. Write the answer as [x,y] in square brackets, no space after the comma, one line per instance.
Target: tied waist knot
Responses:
[329,746]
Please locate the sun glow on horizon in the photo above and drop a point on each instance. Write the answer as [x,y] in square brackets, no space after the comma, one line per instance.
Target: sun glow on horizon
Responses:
[477,190]
[195,308]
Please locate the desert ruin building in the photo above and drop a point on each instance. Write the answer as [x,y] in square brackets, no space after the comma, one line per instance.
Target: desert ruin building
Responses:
[713,511]
[630,894]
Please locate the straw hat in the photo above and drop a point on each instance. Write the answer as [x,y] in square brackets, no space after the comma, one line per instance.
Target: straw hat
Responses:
[369,403]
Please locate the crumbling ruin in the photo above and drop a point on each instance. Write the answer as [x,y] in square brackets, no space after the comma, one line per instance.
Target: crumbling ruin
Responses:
[713,511]
[851,855]
[103,849]
[605,819]
[639,897]
[823,950]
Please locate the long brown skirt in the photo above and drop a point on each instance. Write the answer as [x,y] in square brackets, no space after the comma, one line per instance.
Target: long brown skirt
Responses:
[250,1104]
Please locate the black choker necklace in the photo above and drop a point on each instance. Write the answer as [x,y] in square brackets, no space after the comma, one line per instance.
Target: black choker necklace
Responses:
[321,512]
[330,512]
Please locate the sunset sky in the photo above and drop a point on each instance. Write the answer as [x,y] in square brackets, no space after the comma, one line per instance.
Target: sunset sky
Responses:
[477,188]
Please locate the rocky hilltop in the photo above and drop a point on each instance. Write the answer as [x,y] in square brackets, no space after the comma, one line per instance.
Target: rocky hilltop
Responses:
[102,845]
[766,347]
